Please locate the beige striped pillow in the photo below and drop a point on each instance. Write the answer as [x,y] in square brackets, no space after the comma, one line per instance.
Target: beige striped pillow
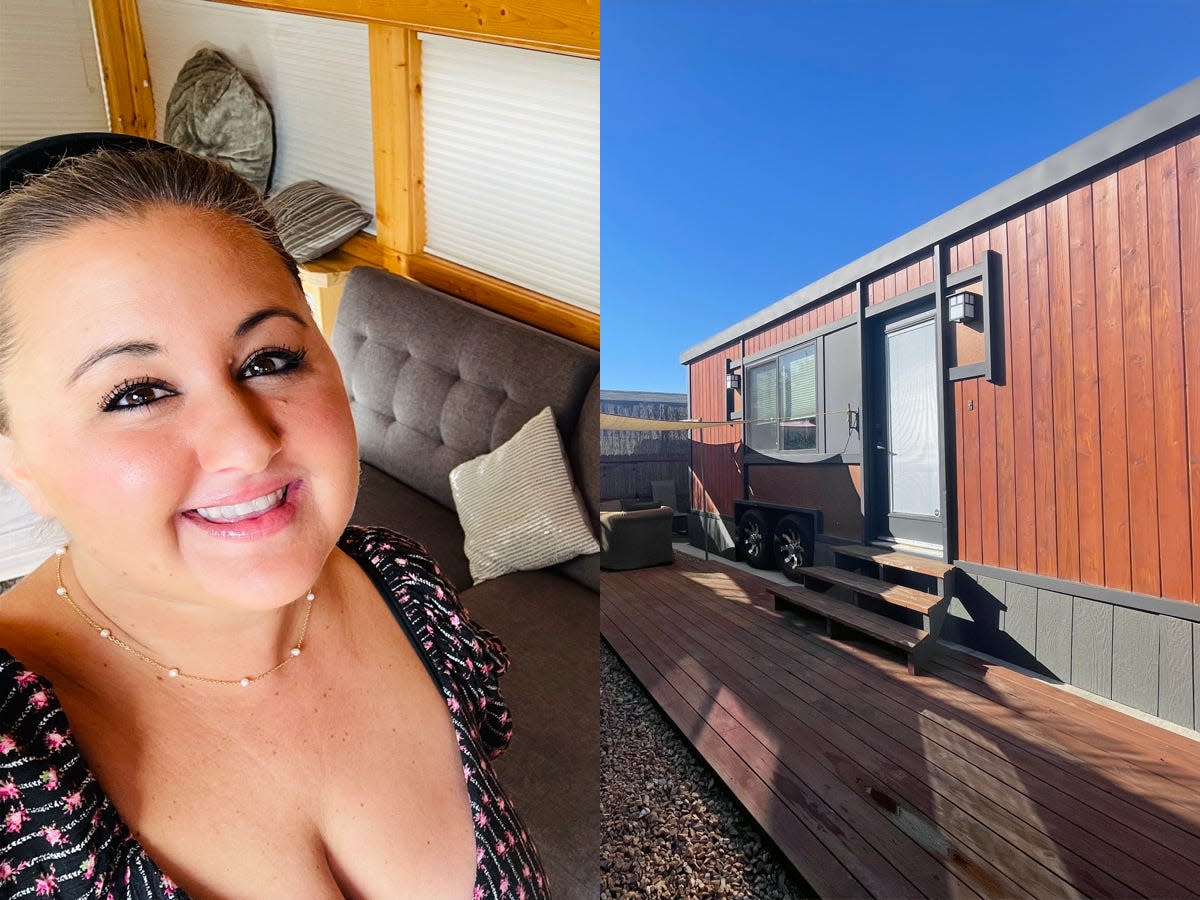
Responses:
[518,506]
[313,219]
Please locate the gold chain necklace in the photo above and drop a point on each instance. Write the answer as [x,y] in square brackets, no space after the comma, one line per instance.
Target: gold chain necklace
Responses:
[173,671]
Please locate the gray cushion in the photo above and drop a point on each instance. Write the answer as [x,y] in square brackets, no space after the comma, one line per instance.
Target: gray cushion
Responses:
[213,111]
[551,628]
[312,219]
[382,500]
[434,381]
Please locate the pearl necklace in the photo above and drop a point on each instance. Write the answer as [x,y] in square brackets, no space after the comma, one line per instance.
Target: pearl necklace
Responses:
[173,671]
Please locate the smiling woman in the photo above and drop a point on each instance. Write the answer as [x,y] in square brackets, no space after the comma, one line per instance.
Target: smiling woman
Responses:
[217,661]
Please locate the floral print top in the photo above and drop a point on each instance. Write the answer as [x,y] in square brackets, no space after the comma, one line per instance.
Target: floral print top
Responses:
[61,836]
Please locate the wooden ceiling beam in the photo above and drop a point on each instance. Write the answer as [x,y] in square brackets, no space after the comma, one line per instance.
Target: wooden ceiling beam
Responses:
[570,27]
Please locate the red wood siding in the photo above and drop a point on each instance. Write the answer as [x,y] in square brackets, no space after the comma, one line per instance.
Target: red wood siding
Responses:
[824,313]
[717,452]
[1188,173]
[1085,464]
[905,278]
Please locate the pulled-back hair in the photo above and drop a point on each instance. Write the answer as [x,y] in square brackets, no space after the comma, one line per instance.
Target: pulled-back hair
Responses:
[113,185]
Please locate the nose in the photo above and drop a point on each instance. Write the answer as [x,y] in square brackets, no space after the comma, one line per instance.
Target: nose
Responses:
[236,431]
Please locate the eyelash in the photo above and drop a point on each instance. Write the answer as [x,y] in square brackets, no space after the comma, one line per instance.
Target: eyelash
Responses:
[292,358]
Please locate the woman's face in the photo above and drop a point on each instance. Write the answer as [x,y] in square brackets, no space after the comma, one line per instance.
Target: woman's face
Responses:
[172,403]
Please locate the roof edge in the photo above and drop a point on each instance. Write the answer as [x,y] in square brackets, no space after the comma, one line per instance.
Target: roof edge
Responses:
[1144,124]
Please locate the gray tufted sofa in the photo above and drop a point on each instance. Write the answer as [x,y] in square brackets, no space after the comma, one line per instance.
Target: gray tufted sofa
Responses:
[434,381]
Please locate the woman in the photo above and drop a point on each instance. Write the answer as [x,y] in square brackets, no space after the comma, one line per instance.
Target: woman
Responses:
[248,699]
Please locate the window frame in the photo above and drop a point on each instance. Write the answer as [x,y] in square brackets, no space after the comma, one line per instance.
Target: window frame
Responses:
[775,359]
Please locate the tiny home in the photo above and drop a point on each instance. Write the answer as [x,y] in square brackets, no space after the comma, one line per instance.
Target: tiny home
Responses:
[1010,388]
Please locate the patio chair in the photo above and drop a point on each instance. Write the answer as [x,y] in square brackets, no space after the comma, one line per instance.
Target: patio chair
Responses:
[663,493]
[636,539]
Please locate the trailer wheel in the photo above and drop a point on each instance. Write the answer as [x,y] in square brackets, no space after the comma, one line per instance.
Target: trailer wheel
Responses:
[754,539]
[789,542]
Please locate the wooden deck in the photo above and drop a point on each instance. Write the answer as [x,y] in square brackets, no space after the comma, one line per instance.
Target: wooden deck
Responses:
[970,781]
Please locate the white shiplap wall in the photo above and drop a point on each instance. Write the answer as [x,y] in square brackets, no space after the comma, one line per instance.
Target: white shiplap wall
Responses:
[314,73]
[49,71]
[512,164]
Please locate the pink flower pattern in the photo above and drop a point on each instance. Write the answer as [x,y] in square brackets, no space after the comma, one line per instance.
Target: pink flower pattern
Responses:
[77,823]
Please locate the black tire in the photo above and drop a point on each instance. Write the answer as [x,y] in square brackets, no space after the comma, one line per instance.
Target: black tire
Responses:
[791,546]
[754,540]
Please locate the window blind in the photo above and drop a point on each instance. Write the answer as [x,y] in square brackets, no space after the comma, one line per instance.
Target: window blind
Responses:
[798,377]
[911,359]
[764,405]
[798,382]
[314,73]
[49,71]
[512,164]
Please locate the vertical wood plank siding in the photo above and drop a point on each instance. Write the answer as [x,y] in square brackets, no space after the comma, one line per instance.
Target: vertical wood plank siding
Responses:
[721,447]
[1188,173]
[1084,463]
[828,311]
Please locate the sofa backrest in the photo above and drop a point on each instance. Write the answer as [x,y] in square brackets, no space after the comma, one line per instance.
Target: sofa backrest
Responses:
[434,381]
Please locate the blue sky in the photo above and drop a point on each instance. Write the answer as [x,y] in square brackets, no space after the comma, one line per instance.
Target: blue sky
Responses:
[749,148]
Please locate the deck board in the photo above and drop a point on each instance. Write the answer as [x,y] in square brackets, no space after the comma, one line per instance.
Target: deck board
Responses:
[985,797]
[968,782]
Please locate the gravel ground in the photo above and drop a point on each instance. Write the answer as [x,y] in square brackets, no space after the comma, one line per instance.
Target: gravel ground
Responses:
[669,827]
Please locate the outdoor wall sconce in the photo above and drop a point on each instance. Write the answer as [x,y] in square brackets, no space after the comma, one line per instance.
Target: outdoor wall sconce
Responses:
[962,306]
[733,381]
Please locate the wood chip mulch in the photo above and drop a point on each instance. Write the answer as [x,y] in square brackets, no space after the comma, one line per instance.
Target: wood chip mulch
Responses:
[669,827]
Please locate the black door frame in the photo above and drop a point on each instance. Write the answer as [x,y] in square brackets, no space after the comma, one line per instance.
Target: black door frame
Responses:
[870,337]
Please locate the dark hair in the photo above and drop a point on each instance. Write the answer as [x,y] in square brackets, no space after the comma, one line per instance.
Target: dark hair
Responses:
[111,185]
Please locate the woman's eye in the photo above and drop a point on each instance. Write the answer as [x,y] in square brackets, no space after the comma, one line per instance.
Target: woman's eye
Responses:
[129,396]
[272,362]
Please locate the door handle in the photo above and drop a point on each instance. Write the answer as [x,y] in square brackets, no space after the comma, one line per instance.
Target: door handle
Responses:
[880,447]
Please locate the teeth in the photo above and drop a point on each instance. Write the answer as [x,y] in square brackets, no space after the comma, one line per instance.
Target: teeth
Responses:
[236,511]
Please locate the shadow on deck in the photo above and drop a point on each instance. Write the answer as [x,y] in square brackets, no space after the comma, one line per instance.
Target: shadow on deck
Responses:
[973,780]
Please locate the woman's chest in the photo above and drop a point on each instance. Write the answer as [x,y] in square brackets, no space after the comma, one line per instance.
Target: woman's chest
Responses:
[357,789]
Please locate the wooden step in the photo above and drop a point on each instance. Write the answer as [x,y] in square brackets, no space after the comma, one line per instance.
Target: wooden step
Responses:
[916,643]
[896,594]
[894,559]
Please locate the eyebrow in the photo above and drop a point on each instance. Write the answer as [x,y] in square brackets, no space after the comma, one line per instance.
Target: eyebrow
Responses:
[255,319]
[137,348]
[146,348]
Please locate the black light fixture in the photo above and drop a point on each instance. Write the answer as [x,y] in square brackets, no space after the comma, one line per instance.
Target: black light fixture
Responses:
[733,381]
[962,306]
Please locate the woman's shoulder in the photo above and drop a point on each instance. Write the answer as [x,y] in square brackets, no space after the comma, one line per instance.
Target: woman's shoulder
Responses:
[411,579]
[384,549]
[30,716]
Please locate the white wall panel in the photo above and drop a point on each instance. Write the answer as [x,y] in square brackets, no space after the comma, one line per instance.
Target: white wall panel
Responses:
[315,74]
[50,79]
[512,164]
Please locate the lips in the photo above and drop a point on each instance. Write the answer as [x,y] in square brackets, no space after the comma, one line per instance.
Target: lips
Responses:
[238,512]
[252,518]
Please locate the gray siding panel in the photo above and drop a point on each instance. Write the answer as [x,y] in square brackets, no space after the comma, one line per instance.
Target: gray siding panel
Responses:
[1141,654]
[1135,659]
[843,388]
[1054,633]
[1176,684]
[1092,646]
[1196,673]
[1020,619]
